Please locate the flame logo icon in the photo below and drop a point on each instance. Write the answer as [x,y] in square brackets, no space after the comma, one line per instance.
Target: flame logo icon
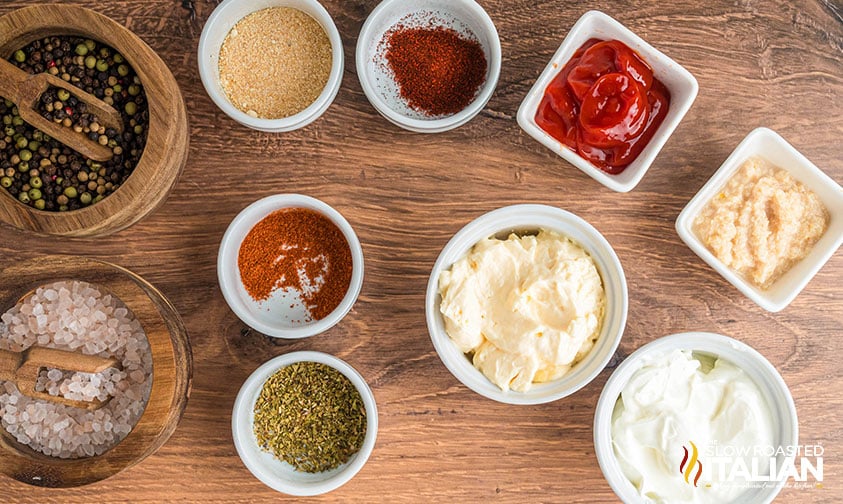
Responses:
[687,466]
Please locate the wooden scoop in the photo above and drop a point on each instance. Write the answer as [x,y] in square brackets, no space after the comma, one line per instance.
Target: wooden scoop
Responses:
[26,89]
[22,368]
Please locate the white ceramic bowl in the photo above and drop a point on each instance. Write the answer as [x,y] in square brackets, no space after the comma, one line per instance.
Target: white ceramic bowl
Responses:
[223,19]
[378,82]
[280,475]
[682,85]
[767,144]
[276,316]
[526,218]
[759,369]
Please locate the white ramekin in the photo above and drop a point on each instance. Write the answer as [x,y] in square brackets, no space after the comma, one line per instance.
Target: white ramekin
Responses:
[378,83]
[759,369]
[223,19]
[682,85]
[768,144]
[277,474]
[531,218]
[265,316]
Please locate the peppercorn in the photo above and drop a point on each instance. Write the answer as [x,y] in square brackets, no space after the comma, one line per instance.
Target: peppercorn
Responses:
[20,56]
[49,166]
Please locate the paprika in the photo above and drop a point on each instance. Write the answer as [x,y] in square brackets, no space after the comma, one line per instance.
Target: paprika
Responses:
[298,249]
[438,71]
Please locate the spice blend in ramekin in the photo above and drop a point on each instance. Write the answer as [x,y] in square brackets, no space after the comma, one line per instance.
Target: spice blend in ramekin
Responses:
[275,62]
[300,251]
[438,70]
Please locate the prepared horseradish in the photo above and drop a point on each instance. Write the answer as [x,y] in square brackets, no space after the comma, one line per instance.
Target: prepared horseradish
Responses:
[762,222]
[678,411]
[526,309]
[275,62]
[311,416]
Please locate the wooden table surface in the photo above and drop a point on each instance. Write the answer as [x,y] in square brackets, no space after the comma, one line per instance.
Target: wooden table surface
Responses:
[758,62]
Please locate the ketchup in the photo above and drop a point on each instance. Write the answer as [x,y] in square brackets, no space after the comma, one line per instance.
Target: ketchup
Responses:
[605,104]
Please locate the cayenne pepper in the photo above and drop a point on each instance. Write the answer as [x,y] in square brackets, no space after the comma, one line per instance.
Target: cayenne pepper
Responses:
[299,249]
[437,70]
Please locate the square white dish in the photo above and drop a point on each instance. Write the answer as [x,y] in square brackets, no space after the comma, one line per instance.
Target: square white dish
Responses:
[682,85]
[769,145]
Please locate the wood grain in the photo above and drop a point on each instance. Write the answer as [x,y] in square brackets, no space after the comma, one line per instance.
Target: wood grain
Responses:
[758,62]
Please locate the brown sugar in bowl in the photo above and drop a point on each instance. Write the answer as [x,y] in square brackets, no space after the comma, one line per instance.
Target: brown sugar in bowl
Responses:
[172,371]
[166,148]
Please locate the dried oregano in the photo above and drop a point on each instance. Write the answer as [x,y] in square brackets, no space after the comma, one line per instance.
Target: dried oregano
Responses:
[310,416]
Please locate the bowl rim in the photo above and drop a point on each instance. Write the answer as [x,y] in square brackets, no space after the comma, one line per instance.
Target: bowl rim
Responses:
[362,55]
[598,248]
[706,342]
[241,420]
[680,103]
[816,258]
[227,261]
[285,124]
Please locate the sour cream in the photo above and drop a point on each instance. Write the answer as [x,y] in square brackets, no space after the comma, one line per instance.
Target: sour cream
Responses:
[677,399]
[528,308]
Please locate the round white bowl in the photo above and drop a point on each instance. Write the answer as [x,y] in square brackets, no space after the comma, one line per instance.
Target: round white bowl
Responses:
[275,316]
[759,369]
[464,16]
[223,19]
[280,475]
[525,218]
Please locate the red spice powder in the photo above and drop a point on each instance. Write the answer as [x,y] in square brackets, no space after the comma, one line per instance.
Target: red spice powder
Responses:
[291,248]
[437,70]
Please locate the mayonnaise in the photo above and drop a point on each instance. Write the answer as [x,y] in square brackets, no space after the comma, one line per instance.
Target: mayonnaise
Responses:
[675,400]
[528,307]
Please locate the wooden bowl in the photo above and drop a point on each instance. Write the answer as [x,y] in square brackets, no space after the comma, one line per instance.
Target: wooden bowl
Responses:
[166,148]
[171,368]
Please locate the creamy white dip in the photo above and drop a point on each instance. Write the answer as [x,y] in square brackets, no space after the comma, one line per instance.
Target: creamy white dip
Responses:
[528,308]
[675,400]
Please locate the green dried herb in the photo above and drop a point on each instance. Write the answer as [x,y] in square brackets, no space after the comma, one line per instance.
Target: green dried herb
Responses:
[310,416]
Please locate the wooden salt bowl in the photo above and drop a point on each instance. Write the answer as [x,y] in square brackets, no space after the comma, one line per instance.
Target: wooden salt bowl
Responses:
[166,148]
[172,371]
